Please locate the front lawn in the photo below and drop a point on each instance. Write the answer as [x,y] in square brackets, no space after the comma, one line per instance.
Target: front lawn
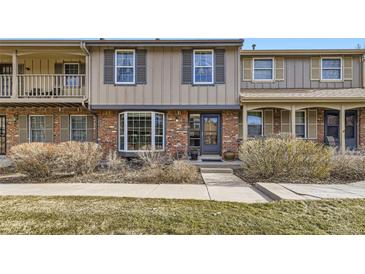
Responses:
[98,215]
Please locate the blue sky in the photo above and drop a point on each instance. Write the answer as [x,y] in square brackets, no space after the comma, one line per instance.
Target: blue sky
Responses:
[304,43]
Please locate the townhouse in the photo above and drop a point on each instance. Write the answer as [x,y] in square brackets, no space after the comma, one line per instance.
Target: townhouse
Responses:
[177,95]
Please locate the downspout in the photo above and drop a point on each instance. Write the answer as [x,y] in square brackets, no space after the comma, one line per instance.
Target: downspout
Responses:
[86,51]
[88,56]
[363,70]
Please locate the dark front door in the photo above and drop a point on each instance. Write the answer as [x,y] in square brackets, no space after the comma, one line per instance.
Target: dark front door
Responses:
[332,127]
[2,135]
[211,134]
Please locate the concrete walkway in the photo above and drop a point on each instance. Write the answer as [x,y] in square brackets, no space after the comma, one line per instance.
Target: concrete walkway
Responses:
[312,191]
[223,185]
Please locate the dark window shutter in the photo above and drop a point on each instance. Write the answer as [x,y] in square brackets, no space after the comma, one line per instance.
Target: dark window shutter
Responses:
[108,66]
[219,66]
[187,66]
[141,68]
[65,128]
[58,68]
[48,128]
[90,128]
[23,128]
[20,68]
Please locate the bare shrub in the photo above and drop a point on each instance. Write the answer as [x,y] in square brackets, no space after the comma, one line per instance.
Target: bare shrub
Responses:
[35,159]
[181,172]
[287,158]
[77,157]
[349,166]
[152,158]
[115,163]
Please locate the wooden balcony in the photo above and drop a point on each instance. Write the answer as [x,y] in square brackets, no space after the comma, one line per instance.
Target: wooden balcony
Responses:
[43,88]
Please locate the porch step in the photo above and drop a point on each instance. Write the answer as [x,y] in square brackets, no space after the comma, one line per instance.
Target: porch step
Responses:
[216,170]
[211,158]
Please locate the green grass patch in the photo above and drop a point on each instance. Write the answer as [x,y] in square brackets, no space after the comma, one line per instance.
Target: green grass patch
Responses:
[103,215]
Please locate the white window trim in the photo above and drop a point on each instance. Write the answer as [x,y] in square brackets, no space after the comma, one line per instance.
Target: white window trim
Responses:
[116,66]
[273,69]
[262,124]
[203,83]
[70,124]
[341,69]
[153,115]
[30,127]
[65,75]
[305,124]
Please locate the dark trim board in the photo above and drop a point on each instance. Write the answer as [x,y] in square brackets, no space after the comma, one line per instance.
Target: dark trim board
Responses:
[166,107]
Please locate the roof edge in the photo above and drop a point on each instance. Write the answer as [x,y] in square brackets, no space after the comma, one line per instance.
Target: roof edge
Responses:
[301,52]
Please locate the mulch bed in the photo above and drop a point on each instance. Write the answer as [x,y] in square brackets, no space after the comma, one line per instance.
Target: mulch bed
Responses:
[98,177]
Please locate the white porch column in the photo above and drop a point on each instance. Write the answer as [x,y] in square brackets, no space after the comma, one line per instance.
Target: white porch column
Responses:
[15,75]
[342,130]
[244,123]
[293,121]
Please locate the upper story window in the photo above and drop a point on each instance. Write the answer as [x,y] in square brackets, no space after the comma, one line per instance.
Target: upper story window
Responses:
[263,69]
[331,68]
[125,66]
[70,70]
[203,67]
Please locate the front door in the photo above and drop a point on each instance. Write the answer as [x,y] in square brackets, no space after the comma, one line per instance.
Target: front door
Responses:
[332,127]
[211,134]
[2,135]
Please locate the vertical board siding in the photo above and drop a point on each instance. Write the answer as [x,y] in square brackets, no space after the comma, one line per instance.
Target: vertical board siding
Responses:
[164,82]
[298,76]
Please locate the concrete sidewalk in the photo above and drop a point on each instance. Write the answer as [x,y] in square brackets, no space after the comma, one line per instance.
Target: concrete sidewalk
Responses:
[312,191]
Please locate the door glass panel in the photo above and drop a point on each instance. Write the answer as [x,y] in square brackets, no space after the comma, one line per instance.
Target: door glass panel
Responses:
[350,126]
[332,120]
[332,131]
[210,130]
[194,130]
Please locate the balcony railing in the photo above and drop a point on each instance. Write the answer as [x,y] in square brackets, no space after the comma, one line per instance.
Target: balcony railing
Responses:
[6,86]
[44,85]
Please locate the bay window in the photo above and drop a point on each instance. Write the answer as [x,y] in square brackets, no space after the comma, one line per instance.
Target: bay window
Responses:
[141,131]
[331,69]
[203,67]
[125,66]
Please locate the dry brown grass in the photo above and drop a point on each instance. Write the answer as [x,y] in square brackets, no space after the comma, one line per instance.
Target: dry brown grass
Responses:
[285,158]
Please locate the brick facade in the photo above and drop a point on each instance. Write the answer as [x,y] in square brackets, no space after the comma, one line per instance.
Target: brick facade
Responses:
[177,133]
[12,123]
[230,131]
[108,130]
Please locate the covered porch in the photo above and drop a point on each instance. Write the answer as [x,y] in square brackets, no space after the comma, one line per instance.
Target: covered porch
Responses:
[42,74]
[335,117]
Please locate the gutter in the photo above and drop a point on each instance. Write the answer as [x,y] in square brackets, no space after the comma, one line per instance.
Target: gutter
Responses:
[88,72]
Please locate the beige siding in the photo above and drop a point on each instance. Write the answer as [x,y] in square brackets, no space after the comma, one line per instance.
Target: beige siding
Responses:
[298,75]
[164,82]
[42,63]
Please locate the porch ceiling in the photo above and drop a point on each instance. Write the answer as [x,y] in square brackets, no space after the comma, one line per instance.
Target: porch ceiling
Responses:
[351,95]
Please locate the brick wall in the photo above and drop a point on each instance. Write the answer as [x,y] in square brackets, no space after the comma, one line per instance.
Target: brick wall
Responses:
[230,130]
[177,125]
[361,128]
[12,125]
[108,130]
